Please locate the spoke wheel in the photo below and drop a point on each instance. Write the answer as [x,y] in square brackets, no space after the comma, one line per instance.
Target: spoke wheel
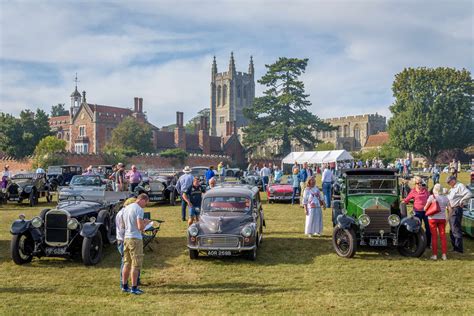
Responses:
[21,248]
[344,242]
[413,244]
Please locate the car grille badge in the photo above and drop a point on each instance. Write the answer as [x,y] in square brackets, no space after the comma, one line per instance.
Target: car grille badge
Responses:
[219,230]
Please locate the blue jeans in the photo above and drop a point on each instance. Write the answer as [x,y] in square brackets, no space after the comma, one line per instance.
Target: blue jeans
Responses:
[295,193]
[265,182]
[424,219]
[455,232]
[183,208]
[327,187]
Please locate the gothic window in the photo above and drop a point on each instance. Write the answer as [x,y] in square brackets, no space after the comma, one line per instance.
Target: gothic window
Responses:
[357,132]
[245,92]
[224,95]
[339,131]
[221,120]
[346,130]
[82,130]
[219,91]
[60,136]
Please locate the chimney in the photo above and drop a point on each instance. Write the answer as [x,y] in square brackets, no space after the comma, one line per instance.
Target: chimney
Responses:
[233,129]
[179,132]
[203,134]
[140,105]
[135,104]
[227,128]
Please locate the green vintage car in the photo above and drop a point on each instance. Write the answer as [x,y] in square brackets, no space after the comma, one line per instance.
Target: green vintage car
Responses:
[468,219]
[369,213]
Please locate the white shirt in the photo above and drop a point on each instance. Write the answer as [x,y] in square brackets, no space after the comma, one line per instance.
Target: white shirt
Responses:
[130,215]
[311,197]
[265,172]
[458,195]
[7,174]
[119,227]
[327,175]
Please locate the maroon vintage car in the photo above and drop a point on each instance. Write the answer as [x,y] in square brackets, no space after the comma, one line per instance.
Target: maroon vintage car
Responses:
[280,192]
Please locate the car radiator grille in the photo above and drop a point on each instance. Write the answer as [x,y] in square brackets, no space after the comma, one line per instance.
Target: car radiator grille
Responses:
[219,241]
[156,187]
[378,221]
[56,228]
[282,193]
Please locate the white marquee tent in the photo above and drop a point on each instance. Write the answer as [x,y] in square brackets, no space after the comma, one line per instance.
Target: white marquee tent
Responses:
[317,157]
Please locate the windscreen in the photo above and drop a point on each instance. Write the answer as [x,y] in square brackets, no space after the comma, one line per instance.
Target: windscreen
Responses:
[54,170]
[226,204]
[371,186]
[86,180]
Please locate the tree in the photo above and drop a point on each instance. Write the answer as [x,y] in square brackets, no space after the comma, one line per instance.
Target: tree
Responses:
[432,111]
[130,137]
[281,114]
[176,154]
[325,146]
[58,110]
[192,123]
[46,152]
[19,136]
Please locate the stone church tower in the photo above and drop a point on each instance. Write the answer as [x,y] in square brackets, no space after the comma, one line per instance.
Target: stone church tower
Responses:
[231,91]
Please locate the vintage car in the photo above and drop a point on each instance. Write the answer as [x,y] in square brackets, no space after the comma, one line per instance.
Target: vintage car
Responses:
[467,223]
[253,178]
[62,175]
[280,192]
[231,223]
[28,186]
[85,186]
[233,172]
[158,186]
[369,213]
[74,227]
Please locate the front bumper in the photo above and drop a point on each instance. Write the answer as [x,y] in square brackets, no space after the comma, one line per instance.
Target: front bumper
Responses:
[233,249]
[282,198]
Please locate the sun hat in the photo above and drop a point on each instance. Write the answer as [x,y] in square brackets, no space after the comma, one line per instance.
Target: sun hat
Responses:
[187,169]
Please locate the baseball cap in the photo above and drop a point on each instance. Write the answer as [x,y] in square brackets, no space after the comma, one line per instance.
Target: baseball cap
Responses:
[450,178]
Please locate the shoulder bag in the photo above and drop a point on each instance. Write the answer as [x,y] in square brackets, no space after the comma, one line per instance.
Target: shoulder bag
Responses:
[433,209]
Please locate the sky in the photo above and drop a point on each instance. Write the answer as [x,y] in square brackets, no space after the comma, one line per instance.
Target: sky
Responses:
[162,50]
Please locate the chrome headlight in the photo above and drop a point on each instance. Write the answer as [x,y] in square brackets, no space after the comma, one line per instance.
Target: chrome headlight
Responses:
[247,231]
[193,231]
[36,222]
[394,220]
[92,219]
[72,224]
[364,220]
[147,187]
[272,190]
[20,189]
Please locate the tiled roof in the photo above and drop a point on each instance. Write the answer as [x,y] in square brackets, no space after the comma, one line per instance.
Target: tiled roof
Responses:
[109,109]
[377,140]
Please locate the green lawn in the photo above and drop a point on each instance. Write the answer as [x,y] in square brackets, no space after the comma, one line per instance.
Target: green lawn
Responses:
[292,275]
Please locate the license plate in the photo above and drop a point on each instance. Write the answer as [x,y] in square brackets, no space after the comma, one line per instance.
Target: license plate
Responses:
[14,199]
[378,242]
[55,251]
[156,198]
[219,253]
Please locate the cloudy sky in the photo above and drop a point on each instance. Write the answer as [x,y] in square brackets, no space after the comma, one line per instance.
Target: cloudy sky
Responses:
[162,50]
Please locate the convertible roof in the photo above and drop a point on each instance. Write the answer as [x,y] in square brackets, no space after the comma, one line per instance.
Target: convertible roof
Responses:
[232,190]
[370,171]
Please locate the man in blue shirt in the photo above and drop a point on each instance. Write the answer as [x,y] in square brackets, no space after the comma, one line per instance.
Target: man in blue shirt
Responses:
[183,185]
[303,177]
[210,174]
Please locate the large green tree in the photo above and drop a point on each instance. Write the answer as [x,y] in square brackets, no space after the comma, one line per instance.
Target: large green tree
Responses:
[432,111]
[46,151]
[281,114]
[19,136]
[130,137]
[58,110]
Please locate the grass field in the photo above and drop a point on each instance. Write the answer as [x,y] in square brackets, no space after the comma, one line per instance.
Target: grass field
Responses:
[292,275]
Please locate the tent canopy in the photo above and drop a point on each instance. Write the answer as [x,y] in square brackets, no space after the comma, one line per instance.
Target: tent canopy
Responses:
[318,157]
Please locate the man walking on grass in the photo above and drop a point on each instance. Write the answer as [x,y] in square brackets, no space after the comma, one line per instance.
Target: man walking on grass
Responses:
[183,185]
[458,196]
[133,244]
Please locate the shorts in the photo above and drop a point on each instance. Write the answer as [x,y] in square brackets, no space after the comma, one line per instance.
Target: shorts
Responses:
[133,252]
[194,211]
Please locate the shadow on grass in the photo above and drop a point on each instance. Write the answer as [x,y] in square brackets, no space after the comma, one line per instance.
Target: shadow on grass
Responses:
[223,288]
[4,251]
[25,290]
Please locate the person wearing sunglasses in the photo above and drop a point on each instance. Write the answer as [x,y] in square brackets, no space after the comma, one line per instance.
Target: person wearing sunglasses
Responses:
[420,195]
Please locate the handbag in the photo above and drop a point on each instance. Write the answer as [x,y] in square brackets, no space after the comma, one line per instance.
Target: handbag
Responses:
[433,208]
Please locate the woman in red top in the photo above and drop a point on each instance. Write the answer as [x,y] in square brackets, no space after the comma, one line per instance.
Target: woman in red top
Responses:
[420,195]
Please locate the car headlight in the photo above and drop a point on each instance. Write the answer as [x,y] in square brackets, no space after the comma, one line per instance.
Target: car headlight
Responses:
[20,189]
[193,231]
[394,220]
[247,231]
[272,190]
[36,222]
[147,187]
[364,220]
[72,224]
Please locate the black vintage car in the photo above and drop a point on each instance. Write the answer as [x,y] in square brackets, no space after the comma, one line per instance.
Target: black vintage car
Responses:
[75,227]
[62,175]
[158,186]
[253,178]
[28,186]
[231,223]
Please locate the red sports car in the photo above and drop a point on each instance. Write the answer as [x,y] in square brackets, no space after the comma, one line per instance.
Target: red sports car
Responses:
[280,192]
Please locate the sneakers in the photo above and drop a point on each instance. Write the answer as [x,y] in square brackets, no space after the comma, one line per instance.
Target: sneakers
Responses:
[309,235]
[444,257]
[125,289]
[435,257]
[316,235]
[136,291]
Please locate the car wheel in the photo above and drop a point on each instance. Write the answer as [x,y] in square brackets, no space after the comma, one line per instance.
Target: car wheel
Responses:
[21,248]
[193,254]
[92,249]
[344,242]
[103,218]
[413,245]
[252,254]
[33,198]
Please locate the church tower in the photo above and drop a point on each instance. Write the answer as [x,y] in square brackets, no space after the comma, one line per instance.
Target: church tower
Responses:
[75,100]
[231,92]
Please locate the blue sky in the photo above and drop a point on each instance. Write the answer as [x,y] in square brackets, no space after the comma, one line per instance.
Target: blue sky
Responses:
[162,50]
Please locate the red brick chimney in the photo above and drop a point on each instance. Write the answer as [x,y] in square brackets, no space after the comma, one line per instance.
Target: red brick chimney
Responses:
[227,128]
[180,132]
[203,134]
[140,105]
[135,104]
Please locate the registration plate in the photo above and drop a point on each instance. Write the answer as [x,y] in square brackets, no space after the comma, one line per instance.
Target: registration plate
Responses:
[14,199]
[55,251]
[219,253]
[378,242]
[156,198]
